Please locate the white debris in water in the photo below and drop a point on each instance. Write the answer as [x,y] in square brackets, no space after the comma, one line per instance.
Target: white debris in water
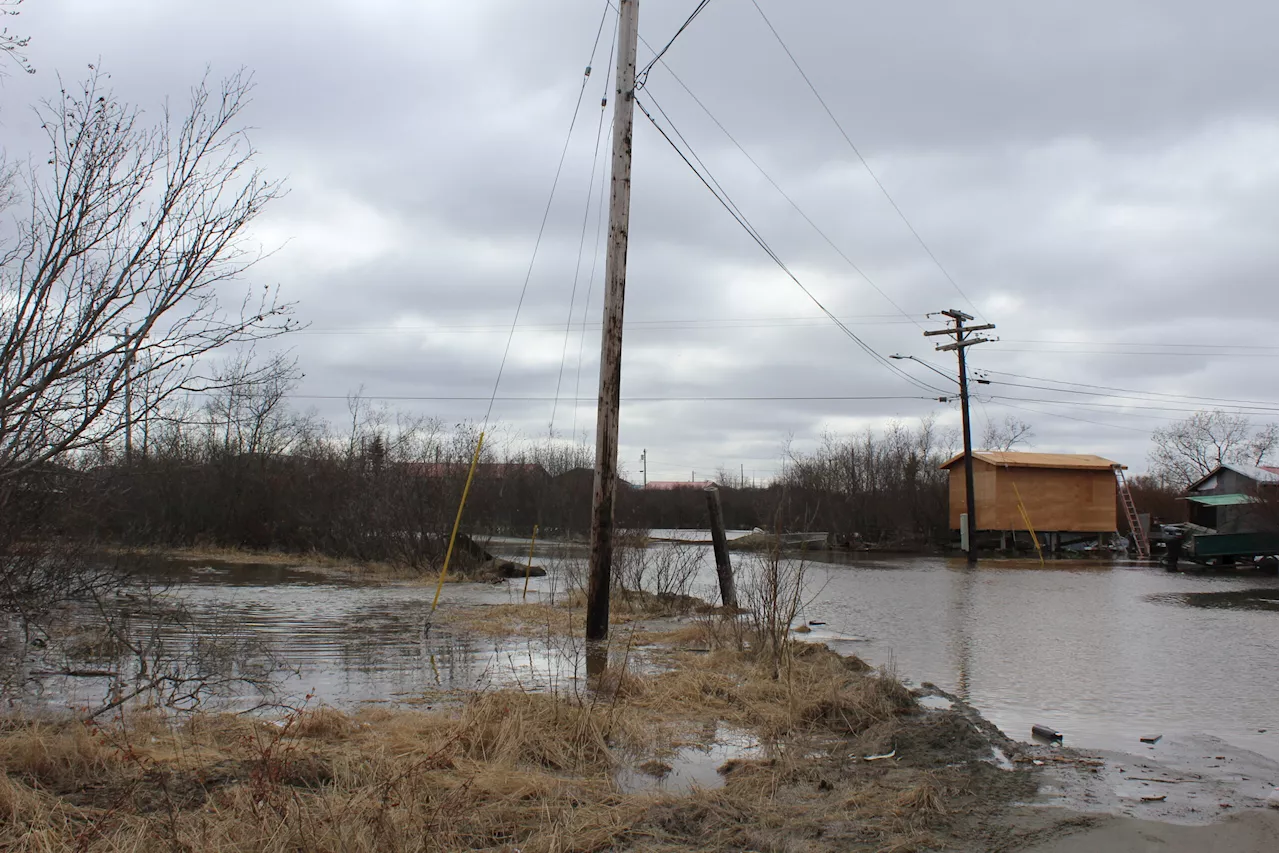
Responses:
[1001,760]
[936,703]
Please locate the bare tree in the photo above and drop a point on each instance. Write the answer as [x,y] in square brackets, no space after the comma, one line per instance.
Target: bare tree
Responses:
[116,272]
[1188,449]
[1006,435]
[14,46]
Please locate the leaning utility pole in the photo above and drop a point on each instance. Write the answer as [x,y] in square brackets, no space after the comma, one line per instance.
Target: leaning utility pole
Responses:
[962,334]
[606,480]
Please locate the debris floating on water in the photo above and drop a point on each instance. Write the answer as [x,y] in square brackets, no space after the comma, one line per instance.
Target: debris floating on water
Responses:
[1046,733]
[1149,738]
[1153,798]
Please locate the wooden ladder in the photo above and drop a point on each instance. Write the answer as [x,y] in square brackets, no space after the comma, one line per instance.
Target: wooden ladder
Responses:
[1131,513]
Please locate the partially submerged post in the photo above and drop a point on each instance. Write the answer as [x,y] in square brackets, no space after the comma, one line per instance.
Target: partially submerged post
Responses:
[724,571]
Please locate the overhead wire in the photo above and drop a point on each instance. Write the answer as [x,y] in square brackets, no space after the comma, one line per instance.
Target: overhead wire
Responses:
[1150,393]
[1145,344]
[1128,406]
[669,324]
[506,351]
[1242,404]
[642,76]
[1162,354]
[1070,417]
[637,399]
[600,215]
[742,221]
[546,213]
[582,238]
[863,161]
[795,206]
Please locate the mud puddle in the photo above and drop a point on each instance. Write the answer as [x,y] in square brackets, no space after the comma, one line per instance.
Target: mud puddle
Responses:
[692,765]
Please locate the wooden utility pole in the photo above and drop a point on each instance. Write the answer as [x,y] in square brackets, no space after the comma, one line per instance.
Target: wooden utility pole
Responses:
[963,339]
[605,490]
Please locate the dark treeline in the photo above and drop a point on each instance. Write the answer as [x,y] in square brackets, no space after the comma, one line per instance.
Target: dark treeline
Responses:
[243,469]
[882,488]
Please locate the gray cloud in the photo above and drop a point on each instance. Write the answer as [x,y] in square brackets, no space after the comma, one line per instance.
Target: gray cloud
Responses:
[1101,174]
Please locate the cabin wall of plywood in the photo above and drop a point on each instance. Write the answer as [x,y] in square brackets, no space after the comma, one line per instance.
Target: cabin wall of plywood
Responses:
[1067,500]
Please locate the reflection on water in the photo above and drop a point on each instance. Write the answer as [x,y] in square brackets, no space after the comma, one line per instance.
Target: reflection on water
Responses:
[1231,599]
[340,640]
[1101,651]
[694,765]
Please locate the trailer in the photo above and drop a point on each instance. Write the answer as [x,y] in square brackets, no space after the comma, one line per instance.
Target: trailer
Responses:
[1230,547]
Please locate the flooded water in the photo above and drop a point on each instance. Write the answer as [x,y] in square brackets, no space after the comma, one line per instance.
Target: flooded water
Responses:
[1103,652]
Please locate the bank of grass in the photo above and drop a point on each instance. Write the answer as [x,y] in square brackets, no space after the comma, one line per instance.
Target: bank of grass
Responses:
[512,770]
[463,570]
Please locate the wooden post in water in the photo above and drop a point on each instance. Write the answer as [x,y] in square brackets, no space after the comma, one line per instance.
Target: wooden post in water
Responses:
[606,481]
[724,570]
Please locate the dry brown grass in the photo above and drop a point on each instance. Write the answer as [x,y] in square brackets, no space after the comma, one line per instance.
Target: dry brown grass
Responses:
[817,690]
[532,619]
[311,560]
[51,755]
[500,771]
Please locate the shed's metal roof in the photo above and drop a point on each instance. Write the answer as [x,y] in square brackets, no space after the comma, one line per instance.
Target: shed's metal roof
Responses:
[1013,459]
[1259,474]
[1221,500]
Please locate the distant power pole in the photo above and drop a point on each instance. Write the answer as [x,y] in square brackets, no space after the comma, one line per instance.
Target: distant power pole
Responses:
[644,466]
[963,338]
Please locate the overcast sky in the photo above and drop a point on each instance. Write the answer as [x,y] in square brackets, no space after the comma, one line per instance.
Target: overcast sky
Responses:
[1099,179]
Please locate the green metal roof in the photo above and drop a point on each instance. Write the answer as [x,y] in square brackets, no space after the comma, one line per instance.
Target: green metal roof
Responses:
[1221,500]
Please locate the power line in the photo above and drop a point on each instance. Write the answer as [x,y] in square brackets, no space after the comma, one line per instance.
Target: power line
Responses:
[582,241]
[857,269]
[1071,418]
[863,160]
[1245,411]
[751,231]
[1143,344]
[643,76]
[1164,354]
[546,213]
[1129,390]
[674,324]
[595,257]
[1242,404]
[547,399]
[768,178]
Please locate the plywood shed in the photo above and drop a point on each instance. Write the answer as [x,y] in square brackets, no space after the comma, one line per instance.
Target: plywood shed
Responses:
[1062,492]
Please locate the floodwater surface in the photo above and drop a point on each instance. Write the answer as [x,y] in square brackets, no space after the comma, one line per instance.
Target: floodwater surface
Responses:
[1103,651]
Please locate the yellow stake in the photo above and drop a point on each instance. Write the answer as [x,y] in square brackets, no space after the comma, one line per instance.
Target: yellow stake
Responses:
[457,522]
[1022,508]
[529,567]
